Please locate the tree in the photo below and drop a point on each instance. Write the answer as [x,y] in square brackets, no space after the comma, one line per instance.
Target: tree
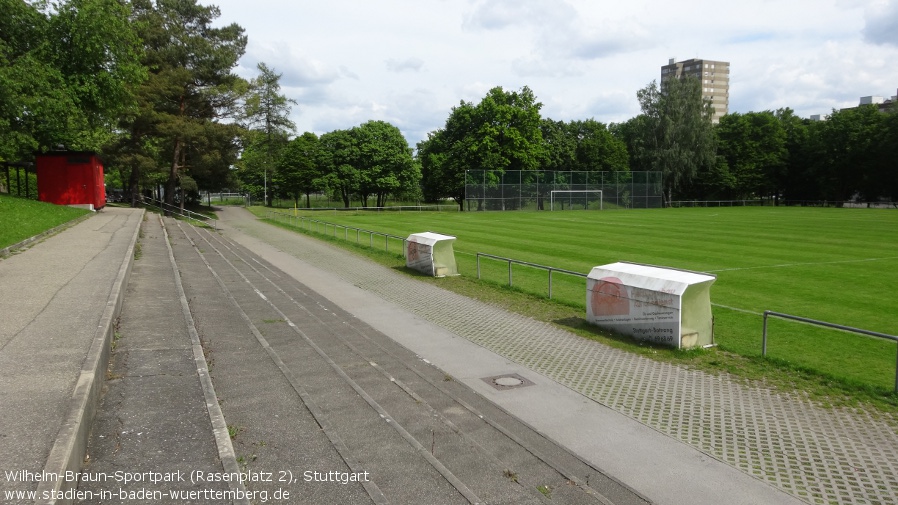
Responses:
[631,133]
[799,182]
[298,171]
[66,73]
[338,160]
[267,111]
[97,49]
[500,133]
[385,162]
[191,87]
[597,150]
[448,154]
[676,135]
[847,153]
[508,133]
[559,146]
[754,147]
[884,175]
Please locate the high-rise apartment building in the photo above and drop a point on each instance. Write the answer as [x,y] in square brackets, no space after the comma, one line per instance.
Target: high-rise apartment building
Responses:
[714,76]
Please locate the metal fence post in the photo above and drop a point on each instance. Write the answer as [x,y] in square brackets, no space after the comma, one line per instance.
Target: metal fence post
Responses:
[764,337]
[550,284]
[509,273]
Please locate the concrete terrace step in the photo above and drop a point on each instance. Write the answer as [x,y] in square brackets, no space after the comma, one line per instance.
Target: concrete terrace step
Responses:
[153,418]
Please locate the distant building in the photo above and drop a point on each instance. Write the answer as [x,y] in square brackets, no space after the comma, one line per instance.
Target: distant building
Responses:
[714,76]
[870,100]
[881,102]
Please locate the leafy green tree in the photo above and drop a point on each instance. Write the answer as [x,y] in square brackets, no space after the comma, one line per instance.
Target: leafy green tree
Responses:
[339,157]
[597,149]
[508,133]
[298,171]
[98,50]
[447,154]
[884,175]
[631,133]
[712,182]
[799,182]
[754,147]
[559,146]
[432,157]
[675,135]
[384,161]
[66,73]
[847,153]
[251,166]
[502,132]
[191,87]
[268,111]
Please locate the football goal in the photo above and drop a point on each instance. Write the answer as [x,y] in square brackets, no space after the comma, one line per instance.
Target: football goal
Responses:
[567,195]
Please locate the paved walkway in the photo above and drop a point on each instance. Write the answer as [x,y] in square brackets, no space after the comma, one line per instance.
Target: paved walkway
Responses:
[819,455]
[58,302]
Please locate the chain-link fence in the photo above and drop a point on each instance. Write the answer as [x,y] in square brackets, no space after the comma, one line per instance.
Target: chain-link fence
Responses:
[533,190]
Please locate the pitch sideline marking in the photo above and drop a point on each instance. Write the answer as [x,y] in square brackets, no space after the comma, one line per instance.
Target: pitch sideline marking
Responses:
[803,264]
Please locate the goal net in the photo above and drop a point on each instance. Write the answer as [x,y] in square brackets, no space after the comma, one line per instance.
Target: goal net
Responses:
[570,199]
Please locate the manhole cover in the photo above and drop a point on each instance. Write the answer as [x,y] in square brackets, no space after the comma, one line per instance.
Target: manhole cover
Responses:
[507,381]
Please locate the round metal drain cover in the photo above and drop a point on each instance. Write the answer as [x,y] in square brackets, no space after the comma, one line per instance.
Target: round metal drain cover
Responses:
[508,381]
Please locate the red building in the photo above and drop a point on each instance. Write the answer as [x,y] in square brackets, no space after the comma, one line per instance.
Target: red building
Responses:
[71,178]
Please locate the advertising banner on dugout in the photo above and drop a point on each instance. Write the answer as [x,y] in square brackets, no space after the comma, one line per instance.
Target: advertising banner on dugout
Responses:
[656,304]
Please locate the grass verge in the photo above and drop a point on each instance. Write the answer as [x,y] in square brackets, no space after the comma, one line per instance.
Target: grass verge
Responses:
[21,218]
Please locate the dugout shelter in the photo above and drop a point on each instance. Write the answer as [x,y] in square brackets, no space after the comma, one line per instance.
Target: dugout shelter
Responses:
[431,253]
[656,304]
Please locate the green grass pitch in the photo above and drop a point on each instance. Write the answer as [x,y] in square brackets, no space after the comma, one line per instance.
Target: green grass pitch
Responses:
[835,265]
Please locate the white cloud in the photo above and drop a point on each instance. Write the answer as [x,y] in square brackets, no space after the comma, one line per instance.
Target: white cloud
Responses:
[408,64]
[882,23]
[410,61]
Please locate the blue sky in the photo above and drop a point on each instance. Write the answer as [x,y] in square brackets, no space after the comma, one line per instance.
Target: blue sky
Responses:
[410,61]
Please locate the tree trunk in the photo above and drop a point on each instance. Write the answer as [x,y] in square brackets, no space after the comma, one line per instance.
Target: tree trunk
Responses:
[173,176]
[134,184]
[183,193]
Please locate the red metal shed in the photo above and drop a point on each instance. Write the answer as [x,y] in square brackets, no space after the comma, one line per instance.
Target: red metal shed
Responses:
[71,178]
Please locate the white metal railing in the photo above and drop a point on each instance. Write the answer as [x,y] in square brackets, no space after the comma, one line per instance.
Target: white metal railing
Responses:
[511,261]
[397,208]
[826,325]
[319,226]
[186,214]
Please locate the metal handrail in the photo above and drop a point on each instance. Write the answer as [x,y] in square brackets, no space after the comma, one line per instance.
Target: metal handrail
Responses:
[186,214]
[528,264]
[394,208]
[780,315]
[358,231]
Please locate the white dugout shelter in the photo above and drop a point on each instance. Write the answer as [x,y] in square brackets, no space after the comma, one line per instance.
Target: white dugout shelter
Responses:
[662,305]
[431,253]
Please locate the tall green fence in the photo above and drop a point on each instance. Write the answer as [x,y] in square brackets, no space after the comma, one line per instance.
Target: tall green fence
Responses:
[535,189]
